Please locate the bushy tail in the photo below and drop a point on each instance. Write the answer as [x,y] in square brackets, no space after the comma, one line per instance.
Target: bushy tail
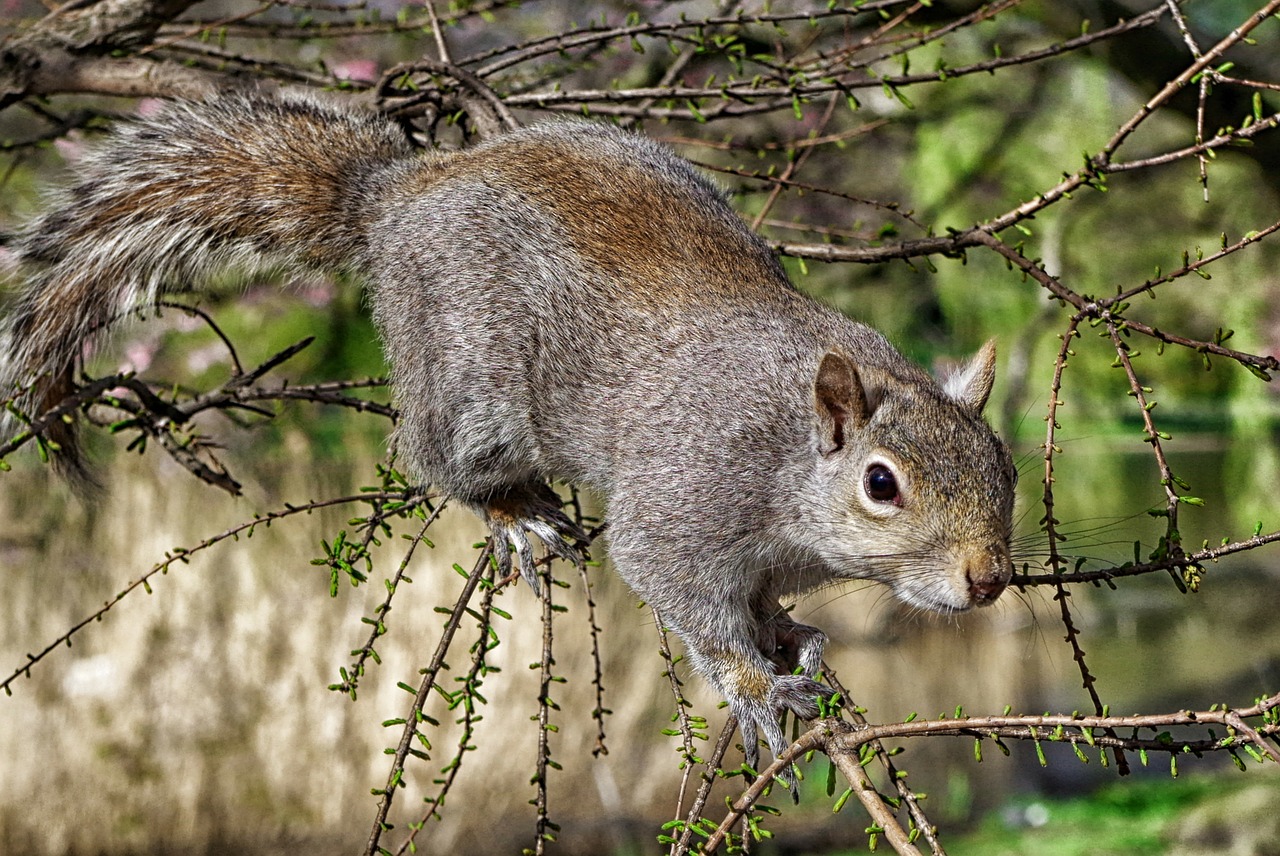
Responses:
[237,183]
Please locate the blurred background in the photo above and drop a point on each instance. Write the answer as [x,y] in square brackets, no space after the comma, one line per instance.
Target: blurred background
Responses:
[197,720]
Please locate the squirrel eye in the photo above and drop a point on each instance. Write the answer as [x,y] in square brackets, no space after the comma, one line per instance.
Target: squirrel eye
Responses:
[881,485]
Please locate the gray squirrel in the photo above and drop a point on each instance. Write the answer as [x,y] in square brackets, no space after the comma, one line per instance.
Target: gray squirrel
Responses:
[566,301]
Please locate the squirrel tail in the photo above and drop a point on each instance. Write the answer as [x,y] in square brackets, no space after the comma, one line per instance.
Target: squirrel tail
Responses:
[236,184]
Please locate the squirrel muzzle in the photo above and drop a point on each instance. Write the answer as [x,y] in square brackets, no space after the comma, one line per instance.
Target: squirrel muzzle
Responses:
[981,573]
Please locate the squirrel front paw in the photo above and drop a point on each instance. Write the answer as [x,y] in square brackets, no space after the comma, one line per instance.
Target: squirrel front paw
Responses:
[798,694]
[532,510]
[790,645]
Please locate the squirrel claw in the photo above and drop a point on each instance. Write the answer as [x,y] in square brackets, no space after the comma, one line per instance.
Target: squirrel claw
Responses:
[750,748]
[778,744]
[796,693]
[514,516]
[799,694]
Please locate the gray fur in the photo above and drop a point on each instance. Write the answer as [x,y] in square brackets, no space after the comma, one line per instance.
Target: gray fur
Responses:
[571,301]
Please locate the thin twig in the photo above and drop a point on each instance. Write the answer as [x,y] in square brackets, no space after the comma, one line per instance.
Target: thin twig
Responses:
[352,674]
[1154,436]
[840,740]
[707,779]
[466,698]
[1050,521]
[1174,86]
[396,778]
[599,712]
[442,47]
[182,555]
[544,832]
[1167,563]
[865,790]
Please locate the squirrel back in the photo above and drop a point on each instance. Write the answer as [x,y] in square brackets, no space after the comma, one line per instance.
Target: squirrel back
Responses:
[564,301]
[599,273]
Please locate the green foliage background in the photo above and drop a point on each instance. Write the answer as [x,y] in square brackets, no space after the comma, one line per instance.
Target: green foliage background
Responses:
[951,154]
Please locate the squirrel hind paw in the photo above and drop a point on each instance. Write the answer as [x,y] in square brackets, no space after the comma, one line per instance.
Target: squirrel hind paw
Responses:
[514,516]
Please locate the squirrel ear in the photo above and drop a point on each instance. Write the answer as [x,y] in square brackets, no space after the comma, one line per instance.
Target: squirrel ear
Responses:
[839,400]
[971,385]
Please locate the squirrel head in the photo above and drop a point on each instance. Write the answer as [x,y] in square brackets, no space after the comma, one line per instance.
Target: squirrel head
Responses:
[915,490]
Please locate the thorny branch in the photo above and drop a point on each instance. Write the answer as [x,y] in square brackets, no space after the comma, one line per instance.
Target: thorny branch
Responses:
[842,742]
[184,555]
[545,830]
[413,721]
[112,48]
[1088,681]
[854,771]
[466,698]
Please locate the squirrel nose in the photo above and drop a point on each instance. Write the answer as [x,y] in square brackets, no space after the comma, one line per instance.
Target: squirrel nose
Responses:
[985,588]
[987,574]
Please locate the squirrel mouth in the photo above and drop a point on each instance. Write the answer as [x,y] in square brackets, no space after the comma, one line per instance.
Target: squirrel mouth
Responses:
[955,590]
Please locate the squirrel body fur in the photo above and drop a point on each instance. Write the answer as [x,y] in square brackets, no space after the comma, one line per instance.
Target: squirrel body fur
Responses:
[565,301]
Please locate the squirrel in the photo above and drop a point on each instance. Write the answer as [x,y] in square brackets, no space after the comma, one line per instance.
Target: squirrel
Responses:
[573,301]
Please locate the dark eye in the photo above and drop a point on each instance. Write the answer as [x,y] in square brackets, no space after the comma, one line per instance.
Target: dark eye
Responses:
[881,485]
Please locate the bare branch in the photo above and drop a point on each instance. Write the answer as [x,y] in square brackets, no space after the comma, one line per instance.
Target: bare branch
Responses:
[182,555]
[1199,557]
[429,674]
